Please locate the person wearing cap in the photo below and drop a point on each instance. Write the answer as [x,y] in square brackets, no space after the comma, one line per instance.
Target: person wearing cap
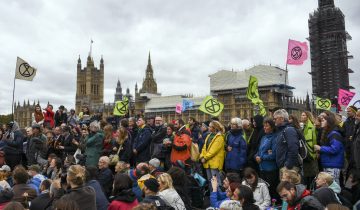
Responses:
[150,190]
[34,172]
[349,128]
[4,171]
[36,150]
[154,165]
[60,116]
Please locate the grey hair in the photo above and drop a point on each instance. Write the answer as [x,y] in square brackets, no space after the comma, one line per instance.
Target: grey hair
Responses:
[282,113]
[95,125]
[237,121]
[245,121]
[230,205]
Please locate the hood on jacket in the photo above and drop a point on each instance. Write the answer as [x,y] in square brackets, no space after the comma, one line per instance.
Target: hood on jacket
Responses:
[258,119]
[335,187]
[127,196]
[325,196]
[301,192]
[236,132]
[15,126]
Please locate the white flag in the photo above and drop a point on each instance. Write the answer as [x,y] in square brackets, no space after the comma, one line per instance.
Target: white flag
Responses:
[24,71]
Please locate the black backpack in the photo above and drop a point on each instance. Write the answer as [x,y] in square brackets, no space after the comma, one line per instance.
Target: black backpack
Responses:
[303,150]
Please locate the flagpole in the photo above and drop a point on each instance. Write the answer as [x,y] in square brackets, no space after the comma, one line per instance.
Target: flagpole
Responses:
[13,98]
[284,93]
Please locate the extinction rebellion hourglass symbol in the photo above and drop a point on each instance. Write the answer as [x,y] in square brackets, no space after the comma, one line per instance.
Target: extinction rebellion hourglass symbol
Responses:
[296,53]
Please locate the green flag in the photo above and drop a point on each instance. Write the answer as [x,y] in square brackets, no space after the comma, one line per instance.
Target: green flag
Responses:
[211,106]
[323,103]
[252,92]
[262,110]
[121,107]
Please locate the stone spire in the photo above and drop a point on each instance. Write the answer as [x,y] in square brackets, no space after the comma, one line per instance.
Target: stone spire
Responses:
[149,83]
[118,92]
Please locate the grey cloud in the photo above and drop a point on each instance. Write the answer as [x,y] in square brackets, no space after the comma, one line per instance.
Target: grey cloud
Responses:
[188,41]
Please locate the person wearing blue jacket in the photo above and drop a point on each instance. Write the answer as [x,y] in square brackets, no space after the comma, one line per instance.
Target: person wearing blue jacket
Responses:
[331,149]
[236,147]
[266,157]
[141,146]
[287,142]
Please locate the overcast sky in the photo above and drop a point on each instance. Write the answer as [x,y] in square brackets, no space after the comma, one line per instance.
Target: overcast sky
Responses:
[188,41]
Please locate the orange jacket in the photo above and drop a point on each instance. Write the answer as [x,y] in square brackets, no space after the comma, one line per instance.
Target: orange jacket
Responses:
[181,147]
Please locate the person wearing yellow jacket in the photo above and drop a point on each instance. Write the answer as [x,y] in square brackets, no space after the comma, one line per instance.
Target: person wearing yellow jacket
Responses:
[213,152]
[311,168]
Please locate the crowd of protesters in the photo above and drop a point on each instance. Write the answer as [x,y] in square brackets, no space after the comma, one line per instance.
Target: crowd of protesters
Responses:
[74,161]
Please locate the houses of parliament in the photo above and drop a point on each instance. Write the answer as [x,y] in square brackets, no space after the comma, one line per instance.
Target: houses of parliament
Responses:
[228,86]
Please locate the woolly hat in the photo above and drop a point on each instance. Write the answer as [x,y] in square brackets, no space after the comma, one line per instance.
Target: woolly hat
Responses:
[152,184]
[353,109]
[155,162]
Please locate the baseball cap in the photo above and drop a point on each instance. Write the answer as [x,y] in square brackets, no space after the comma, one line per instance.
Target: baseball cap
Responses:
[5,168]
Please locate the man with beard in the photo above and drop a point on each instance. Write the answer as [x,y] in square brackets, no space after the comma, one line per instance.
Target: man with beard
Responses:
[195,129]
[157,137]
[141,146]
[297,196]
[236,148]
[180,153]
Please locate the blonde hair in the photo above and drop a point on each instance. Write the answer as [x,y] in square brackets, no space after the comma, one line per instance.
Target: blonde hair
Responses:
[291,175]
[76,175]
[108,131]
[166,180]
[123,135]
[218,126]
[3,175]
[326,176]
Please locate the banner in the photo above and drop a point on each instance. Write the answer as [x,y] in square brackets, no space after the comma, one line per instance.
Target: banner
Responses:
[297,52]
[178,108]
[211,106]
[345,97]
[24,71]
[252,94]
[186,104]
[323,103]
[121,107]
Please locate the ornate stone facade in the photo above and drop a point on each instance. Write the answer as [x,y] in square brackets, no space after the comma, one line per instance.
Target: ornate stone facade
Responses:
[89,84]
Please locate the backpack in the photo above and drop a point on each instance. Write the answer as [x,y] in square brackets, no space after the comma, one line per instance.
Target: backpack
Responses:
[303,150]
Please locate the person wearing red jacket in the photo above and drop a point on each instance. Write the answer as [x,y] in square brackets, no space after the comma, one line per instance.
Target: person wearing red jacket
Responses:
[297,196]
[180,153]
[49,116]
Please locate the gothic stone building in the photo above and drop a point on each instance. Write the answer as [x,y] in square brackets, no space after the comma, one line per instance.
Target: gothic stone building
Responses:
[89,84]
